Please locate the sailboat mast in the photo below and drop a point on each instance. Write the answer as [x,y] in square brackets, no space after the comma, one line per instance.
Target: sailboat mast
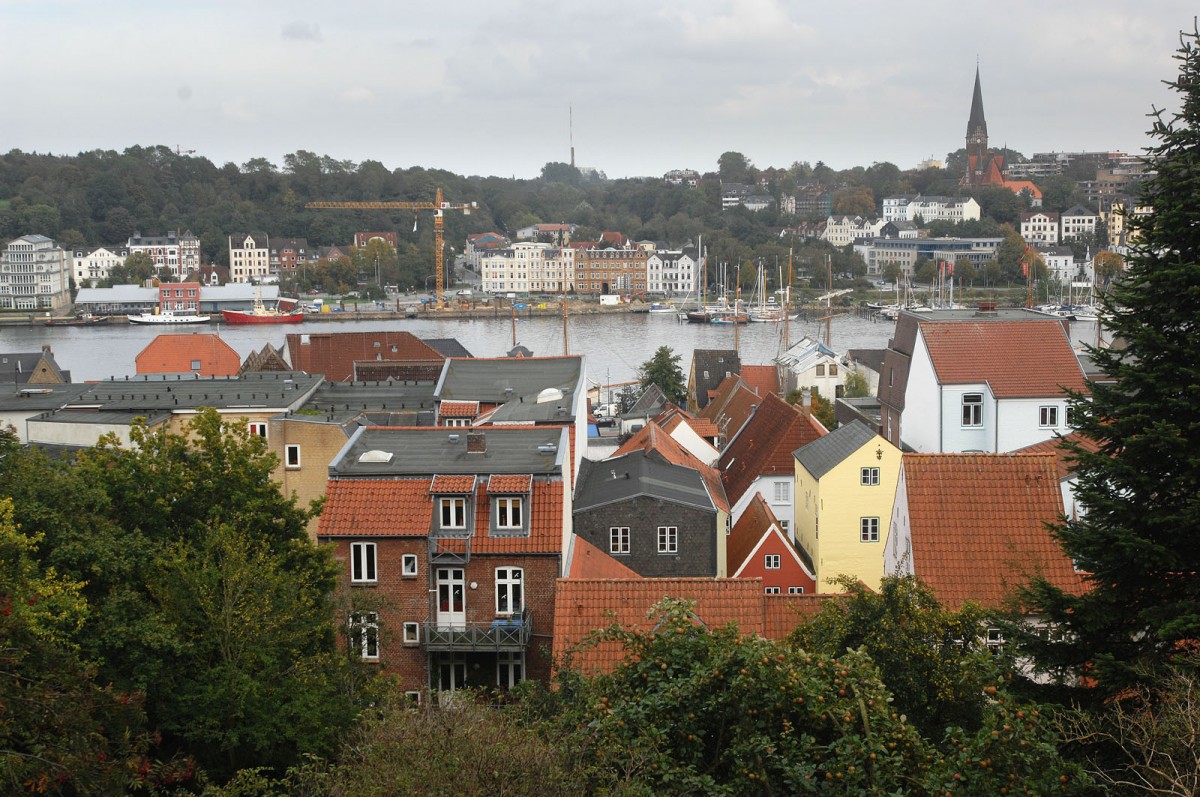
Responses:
[737,300]
[829,302]
[787,306]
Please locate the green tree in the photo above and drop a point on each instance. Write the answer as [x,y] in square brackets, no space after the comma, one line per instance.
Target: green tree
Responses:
[964,271]
[856,385]
[1137,466]
[734,167]
[663,370]
[854,202]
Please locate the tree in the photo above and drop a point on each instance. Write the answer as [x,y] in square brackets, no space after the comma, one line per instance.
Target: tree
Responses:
[663,370]
[854,202]
[1136,462]
[1108,266]
[734,167]
[856,385]
[964,271]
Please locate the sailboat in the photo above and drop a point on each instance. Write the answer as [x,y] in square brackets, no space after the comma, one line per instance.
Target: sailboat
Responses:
[764,310]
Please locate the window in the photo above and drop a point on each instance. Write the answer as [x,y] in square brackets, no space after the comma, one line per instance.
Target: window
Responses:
[868,529]
[770,590]
[453,512]
[408,564]
[510,592]
[196,365]
[618,539]
[362,563]
[795,590]
[291,456]
[995,641]
[260,429]
[783,492]
[771,561]
[668,539]
[832,369]
[364,634]
[1048,416]
[785,525]
[869,477]
[412,633]
[507,514]
[821,369]
[510,668]
[972,409]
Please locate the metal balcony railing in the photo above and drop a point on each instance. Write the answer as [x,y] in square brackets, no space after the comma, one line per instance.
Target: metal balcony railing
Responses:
[502,634]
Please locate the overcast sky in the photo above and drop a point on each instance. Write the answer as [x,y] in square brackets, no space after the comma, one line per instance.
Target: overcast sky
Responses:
[484,86]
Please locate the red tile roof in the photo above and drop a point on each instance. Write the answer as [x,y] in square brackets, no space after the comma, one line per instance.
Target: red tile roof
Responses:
[443,484]
[334,354]
[589,562]
[652,438]
[174,354]
[765,444]
[762,379]
[1054,446]
[1016,358]
[703,427]
[731,406]
[782,613]
[458,409]
[510,483]
[978,524]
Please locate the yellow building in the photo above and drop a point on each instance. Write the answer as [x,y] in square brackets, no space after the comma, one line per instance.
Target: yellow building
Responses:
[845,488]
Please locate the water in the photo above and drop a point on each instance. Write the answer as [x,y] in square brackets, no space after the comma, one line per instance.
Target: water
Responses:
[614,345]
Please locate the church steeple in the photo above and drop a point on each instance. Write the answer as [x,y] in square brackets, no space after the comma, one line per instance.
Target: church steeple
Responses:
[977,139]
[977,124]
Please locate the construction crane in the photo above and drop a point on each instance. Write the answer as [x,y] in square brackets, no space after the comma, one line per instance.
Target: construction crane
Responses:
[439,206]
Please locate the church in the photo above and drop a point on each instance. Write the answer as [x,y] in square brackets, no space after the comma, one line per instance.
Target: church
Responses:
[983,167]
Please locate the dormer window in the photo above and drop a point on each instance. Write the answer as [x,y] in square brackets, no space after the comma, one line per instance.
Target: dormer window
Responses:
[452,503]
[453,513]
[509,497]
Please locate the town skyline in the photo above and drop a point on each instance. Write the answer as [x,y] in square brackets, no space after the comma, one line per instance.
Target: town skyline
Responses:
[477,89]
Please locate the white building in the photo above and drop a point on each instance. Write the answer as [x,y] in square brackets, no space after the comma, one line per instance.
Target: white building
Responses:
[930,208]
[249,257]
[1060,263]
[34,275]
[1079,222]
[92,266]
[672,272]
[845,230]
[177,254]
[527,267]
[1040,226]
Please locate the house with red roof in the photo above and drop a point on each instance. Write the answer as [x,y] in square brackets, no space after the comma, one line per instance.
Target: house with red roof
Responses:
[355,356]
[200,353]
[450,544]
[732,404]
[758,460]
[698,435]
[974,526]
[758,548]
[977,380]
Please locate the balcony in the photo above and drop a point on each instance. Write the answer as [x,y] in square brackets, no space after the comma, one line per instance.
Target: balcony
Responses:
[502,634]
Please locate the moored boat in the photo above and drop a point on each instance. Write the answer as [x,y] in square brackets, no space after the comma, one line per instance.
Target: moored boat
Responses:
[261,314]
[168,318]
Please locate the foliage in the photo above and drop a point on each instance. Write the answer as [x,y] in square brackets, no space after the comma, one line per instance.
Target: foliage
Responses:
[1109,266]
[1138,470]
[856,384]
[663,369]
[854,202]
[821,408]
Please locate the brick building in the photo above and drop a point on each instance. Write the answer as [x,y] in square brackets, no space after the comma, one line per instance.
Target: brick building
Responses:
[610,271]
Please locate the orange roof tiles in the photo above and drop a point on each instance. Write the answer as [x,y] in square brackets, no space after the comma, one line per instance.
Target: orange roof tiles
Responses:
[1054,446]
[458,409]
[334,354]
[510,483]
[175,354]
[783,613]
[765,444]
[1016,358]
[652,438]
[376,507]
[755,521]
[588,561]
[545,523]
[762,379]
[978,524]
[731,407]
[452,484]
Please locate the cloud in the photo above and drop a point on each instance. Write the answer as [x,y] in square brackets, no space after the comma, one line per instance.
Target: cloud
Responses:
[746,21]
[302,31]
[357,95]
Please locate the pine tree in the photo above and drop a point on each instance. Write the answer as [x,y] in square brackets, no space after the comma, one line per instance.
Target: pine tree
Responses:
[1138,462]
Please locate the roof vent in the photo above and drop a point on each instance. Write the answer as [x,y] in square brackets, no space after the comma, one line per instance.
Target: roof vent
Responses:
[375,456]
[549,394]
[547,448]
[453,438]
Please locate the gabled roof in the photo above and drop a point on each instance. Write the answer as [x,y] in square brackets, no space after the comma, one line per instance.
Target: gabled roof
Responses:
[589,562]
[32,367]
[762,379]
[824,454]
[744,538]
[978,524]
[448,347]
[709,368]
[765,444]
[652,438]
[650,402]
[731,406]
[175,353]
[334,354]
[1016,358]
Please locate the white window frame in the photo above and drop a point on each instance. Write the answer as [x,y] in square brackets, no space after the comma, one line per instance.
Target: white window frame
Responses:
[503,507]
[258,429]
[412,634]
[452,508]
[291,456]
[868,529]
[868,477]
[668,539]
[772,561]
[795,590]
[364,563]
[972,410]
[364,634]
[409,565]
[783,493]
[770,590]
[618,539]
[510,591]
[1048,416]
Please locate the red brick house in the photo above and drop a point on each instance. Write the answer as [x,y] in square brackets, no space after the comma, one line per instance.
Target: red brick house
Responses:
[450,544]
[759,549]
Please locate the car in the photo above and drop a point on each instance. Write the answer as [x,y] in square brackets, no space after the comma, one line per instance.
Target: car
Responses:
[313,292]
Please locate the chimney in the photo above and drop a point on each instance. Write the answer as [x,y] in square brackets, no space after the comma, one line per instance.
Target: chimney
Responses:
[806,398]
[476,443]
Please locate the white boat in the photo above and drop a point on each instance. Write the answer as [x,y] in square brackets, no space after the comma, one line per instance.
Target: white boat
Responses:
[168,318]
[663,307]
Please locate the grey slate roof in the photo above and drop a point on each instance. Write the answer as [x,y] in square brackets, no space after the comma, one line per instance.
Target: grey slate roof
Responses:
[823,454]
[639,473]
[349,399]
[105,417]
[501,380]
[259,391]
[443,450]
[650,403]
[709,368]
[31,398]
[448,347]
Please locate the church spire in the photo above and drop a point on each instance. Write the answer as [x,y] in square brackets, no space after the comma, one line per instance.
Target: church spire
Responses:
[977,124]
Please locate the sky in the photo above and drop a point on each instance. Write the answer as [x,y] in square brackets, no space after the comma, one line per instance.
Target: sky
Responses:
[499,87]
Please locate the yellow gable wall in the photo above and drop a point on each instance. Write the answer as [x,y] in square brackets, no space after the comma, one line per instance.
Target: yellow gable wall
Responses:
[829,514]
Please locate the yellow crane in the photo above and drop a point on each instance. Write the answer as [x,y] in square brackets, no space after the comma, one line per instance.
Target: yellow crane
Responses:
[439,206]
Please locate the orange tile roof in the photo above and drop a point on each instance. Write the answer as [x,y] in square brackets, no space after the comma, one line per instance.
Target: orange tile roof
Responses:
[458,409]
[588,561]
[334,353]
[978,524]
[1054,446]
[762,379]
[652,438]
[755,521]
[443,483]
[175,353]
[731,407]
[1016,358]
[545,523]
[510,483]
[703,427]
[782,613]
[585,605]
[765,444]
